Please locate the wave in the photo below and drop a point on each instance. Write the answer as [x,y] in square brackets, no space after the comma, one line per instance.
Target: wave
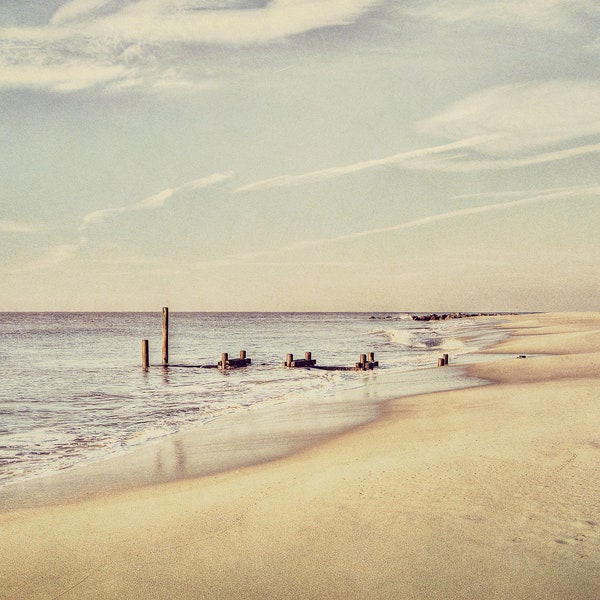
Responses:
[417,339]
[402,337]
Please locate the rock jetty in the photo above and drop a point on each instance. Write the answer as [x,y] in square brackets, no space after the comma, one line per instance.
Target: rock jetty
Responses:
[457,315]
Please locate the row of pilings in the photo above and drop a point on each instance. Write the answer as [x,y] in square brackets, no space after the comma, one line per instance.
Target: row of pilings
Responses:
[366,362]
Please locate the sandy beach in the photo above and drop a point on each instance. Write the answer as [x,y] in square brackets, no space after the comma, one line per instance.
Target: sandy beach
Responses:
[487,492]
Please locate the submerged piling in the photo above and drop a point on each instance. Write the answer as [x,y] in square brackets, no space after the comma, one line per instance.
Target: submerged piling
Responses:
[234,363]
[165,336]
[145,355]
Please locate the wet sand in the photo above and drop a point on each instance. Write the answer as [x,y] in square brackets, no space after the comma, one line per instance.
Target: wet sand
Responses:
[488,492]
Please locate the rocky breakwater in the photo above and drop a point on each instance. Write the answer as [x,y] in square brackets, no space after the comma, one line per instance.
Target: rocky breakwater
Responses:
[457,315]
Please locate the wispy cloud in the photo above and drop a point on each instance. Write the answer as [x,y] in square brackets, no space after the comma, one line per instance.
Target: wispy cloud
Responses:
[191,21]
[92,43]
[100,215]
[8,226]
[64,252]
[520,117]
[61,253]
[401,159]
[561,194]
[538,14]
[77,9]
[502,127]
[68,76]
[157,200]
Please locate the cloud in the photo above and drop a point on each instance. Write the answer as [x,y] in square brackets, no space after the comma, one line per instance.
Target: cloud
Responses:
[187,21]
[64,252]
[493,130]
[520,117]
[538,14]
[159,199]
[8,226]
[403,158]
[95,43]
[100,215]
[155,201]
[60,254]
[465,163]
[76,9]
[67,76]
[436,158]
[551,195]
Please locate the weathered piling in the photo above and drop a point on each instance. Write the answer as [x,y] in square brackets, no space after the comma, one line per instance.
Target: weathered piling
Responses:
[366,362]
[233,363]
[145,355]
[165,336]
[445,359]
[441,362]
[306,362]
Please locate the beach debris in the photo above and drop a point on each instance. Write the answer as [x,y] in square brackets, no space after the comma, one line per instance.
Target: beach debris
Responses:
[521,356]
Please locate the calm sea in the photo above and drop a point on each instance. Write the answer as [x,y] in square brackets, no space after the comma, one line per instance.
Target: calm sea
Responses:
[72,389]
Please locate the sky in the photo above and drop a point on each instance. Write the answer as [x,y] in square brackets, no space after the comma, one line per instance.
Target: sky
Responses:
[300,155]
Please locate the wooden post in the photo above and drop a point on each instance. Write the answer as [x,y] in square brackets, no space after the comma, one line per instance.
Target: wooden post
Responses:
[224,359]
[445,359]
[307,356]
[371,357]
[145,355]
[165,335]
[441,362]
[289,359]
[242,354]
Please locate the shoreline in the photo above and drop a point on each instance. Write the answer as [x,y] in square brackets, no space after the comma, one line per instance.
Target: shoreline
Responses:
[487,491]
[259,434]
[191,451]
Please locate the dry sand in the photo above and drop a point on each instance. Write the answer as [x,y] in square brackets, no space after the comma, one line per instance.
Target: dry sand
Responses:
[490,492]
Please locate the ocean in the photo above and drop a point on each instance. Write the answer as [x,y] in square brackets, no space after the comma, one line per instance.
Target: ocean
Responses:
[73,391]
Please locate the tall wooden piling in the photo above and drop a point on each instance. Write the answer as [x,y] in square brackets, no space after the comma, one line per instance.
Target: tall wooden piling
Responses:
[145,355]
[242,354]
[289,359]
[165,335]
[308,356]
[445,359]
[441,362]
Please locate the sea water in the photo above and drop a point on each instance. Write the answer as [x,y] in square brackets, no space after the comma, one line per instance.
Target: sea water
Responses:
[72,387]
